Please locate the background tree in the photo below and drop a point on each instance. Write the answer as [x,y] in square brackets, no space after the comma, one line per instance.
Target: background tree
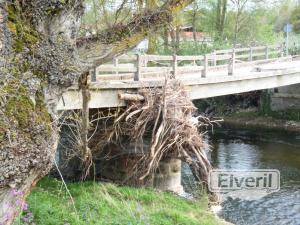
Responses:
[220,18]
[295,19]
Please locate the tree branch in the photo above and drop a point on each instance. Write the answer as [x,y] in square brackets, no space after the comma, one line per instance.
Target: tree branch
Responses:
[100,48]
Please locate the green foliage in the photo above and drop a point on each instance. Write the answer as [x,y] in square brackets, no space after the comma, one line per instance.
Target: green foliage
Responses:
[285,13]
[188,48]
[265,103]
[246,115]
[257,28]
[103,203]
[295,19]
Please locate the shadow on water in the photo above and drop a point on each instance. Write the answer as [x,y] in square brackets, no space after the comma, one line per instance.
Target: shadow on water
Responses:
[260,149]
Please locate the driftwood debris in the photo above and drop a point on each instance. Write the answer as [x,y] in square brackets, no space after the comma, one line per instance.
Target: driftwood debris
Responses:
[167,115]
[131,97]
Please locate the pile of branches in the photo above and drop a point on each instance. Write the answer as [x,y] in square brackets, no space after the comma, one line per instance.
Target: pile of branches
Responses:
[168,117]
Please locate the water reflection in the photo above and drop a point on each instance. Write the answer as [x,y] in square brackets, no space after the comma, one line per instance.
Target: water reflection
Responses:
[260,149]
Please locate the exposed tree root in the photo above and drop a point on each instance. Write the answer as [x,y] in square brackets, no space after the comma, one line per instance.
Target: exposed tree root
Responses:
[165,115]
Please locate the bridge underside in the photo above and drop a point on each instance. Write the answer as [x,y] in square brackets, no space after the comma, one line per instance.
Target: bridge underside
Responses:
[105,94]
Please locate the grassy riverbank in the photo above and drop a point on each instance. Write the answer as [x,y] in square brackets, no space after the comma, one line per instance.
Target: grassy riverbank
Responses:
[103,203]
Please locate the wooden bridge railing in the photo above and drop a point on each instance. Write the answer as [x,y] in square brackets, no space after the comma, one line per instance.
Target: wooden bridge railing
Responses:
[143,66]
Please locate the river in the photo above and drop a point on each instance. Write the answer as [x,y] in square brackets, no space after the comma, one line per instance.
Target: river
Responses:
[244,149]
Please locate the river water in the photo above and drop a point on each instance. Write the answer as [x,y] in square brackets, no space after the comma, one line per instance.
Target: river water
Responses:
[244,149]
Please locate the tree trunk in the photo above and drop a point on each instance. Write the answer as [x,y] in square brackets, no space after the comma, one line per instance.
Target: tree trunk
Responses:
[151,4]
[152,44]
[236,29]
[223,18]
[39,64]
[194,25]
[173,39]
[166,39]
[220,18]
[177,41]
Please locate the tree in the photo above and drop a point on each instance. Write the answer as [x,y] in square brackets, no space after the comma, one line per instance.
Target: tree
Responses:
[239,6]
[41,57]
[151,4]
[295,19]
[220,18]
[242,9]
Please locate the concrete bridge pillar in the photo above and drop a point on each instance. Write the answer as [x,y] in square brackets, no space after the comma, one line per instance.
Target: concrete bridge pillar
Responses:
[168,176]
[286,98]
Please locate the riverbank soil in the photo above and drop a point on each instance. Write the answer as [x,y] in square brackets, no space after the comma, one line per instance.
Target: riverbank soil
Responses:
[256,120]
[252,109]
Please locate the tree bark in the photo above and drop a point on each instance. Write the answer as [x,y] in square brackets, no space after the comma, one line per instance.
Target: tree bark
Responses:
[166,38]
[38,62]
[223,18]
[220,18]
[177,40]
[194,19]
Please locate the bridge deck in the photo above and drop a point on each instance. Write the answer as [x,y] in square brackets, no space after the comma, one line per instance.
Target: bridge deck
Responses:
[251,76]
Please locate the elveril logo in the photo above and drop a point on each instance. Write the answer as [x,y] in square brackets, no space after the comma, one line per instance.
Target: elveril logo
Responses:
[245,184]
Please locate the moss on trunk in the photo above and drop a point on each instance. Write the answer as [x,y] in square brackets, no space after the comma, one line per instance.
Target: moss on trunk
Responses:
[24,34]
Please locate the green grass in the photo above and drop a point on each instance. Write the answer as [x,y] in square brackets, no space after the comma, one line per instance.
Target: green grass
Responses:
[245,115]
[104,203]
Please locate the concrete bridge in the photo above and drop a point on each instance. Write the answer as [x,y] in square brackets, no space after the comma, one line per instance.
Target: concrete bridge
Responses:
[219,73]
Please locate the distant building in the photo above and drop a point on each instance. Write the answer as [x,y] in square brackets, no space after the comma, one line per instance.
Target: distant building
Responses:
[186,34]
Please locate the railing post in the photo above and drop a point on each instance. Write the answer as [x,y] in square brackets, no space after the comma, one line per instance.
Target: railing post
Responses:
[214,58]
[115,63]
[231,63]
[205,66]
[137,74]
[93,74]
[174,72]
[281,50]
[250,54]
[267,52]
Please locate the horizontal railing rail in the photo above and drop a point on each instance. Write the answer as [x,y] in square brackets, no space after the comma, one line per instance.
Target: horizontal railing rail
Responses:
[137,66]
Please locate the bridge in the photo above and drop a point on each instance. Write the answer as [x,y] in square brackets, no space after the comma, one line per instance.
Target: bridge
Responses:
[221,72]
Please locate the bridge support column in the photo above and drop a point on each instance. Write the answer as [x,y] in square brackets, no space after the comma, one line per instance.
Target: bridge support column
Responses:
[168,176]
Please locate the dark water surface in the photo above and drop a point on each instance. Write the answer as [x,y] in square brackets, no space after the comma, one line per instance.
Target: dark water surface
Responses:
[260,149]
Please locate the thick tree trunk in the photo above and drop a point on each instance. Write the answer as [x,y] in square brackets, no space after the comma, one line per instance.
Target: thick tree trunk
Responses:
[40,63]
